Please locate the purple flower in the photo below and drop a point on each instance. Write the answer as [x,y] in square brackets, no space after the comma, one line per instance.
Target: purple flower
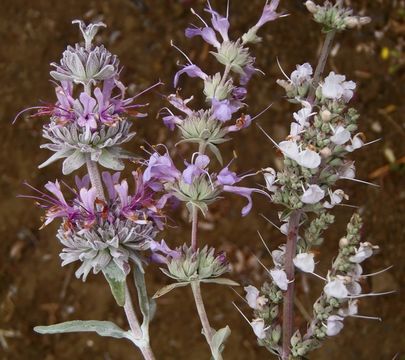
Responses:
[192,71]
[196,169]
[269,13]
[161,253]
[248,71]
[245,192]
[227,177]
[161,168]
[223,110]
[243,122]
[170,120]
[86,111]
[219,23]
[206,33]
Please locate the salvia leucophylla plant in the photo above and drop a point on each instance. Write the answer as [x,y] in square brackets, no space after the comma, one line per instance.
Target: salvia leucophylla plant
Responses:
[207,128]
[316,153]
[105,226]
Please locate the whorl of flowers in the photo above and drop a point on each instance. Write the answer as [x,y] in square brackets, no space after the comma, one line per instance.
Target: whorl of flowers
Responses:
[195,185]
[89,121]
[94,231]
[224,92]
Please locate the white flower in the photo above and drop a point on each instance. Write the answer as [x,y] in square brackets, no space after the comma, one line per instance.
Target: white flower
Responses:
[336,288]
[305,262]
[352,309]
[312,195]
[335,198]
[356,143]
[302,74]
[254,300]
[278,256]
[270,177]
[258,328]
[348,171]
[307,158]
[280,278]
[364,251]
[336,87]
[340,136]
[334,325]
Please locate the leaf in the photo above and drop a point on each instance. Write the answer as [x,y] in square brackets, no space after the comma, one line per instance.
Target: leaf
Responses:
[164,290]
[110,161]
[102,328]
[221,281]
[58,155]
[73,162]
[116,279]
[145,303]
[216,152]
[218,341]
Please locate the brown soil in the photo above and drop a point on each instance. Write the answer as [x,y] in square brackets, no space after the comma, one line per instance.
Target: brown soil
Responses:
[35,290]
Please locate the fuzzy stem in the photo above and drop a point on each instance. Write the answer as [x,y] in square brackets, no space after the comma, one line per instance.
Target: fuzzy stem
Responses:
[194,228]
[326,49]
[207,330]
[288,297]
[95,177]
[135,326]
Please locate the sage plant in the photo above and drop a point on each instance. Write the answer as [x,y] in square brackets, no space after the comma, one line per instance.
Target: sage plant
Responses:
[196,185]
[105,226]
[323,134]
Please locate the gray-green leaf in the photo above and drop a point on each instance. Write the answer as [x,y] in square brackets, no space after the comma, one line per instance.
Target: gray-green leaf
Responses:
[102,328]
[116,279]
[221,281]
[218,341]
[164,290]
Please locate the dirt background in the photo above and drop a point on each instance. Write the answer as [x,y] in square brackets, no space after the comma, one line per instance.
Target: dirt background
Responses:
[35,290]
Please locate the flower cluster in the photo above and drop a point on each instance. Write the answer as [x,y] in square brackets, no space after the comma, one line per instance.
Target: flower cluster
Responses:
[96,231]
[89,121]
[195,185]
[322,134]
[335,16]
[224,92]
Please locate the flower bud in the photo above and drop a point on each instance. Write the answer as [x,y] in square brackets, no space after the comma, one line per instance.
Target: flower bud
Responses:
[311,7]
[343,242]
[326,115]
[352,21]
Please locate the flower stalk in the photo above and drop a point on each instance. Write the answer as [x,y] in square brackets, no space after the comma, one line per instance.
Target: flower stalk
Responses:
[288,296]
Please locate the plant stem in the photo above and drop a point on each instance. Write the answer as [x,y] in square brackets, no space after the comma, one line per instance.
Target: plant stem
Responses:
[288,297]
[95,177]
[207,330]
[326,49]
[293,224]
[135,326]
[194,228]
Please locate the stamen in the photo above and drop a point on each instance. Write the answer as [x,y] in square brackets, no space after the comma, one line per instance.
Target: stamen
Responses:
[372,142]
[269,221]
[281,69]
[238,294]
[194,13]
[366,317]
[360,181]
[180,51]
[372,294]
[379,272]
[268,136]
[262,112]
[147,89]
[264,243]
[240,311]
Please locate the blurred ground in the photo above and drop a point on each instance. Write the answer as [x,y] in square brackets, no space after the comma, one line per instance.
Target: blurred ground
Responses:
[35,290]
